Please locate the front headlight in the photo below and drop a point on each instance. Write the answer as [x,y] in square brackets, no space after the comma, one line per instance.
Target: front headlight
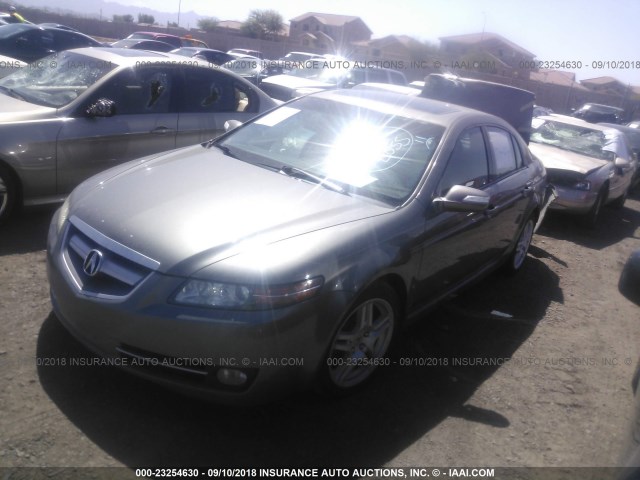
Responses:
[63,213]
[583,185]
[245,297]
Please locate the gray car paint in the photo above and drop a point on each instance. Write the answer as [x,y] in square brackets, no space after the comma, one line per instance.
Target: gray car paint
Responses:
[204,215]
[51,150]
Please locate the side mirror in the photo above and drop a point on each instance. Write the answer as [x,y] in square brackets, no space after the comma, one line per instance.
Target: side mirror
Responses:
[102,108]
[464,199]
[231,124]
[622,163]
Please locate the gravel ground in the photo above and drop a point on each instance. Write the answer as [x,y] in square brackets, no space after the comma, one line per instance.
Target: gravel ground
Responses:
[562,399]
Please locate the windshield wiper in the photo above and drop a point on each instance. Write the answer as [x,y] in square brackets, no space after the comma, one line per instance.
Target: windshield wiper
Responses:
[222,148]
[304,175]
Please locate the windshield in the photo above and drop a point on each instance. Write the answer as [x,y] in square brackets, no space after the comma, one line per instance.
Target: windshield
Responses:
[366,152]
[56,80]
[574,138]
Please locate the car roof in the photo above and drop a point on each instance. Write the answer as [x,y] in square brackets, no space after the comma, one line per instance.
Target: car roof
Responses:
[554,117]
[199,49]
[155,34]
[602,107]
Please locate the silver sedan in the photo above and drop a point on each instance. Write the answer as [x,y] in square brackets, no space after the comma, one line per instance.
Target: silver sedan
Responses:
[291,250]
[76,113]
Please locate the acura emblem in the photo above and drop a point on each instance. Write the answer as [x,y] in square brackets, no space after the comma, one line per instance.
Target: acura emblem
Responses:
[92,263]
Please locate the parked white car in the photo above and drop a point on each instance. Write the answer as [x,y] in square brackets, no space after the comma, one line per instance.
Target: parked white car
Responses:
[590,165]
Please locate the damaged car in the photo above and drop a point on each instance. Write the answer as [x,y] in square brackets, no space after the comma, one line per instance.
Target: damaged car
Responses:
[590,165]
[86,110]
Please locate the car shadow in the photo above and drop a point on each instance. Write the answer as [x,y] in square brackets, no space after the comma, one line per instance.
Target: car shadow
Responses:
[141,424]
[613,226]
[26,231]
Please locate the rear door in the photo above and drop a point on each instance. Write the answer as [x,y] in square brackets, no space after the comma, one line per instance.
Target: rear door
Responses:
[208,99]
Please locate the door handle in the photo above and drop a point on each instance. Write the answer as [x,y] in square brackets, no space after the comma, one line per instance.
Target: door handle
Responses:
[161,130]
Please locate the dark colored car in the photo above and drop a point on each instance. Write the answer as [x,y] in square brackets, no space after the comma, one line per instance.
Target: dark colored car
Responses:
[629,286]
[290,251]
[58,25]
[136,44]
[215,57]
[597,113]
[28,42]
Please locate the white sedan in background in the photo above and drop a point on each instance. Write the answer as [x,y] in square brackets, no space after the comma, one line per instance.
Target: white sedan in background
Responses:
[590,165]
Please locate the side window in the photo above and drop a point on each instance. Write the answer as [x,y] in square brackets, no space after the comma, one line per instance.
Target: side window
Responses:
[139,91]
[65,41]
[35,40]
[213,91]
[504,155]
[468,164]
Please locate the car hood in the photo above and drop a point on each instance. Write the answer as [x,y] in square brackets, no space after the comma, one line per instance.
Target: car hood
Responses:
[557,158]
[199,202]
[14,110]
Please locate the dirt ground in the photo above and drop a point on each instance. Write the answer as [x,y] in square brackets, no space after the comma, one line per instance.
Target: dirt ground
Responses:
[562,397]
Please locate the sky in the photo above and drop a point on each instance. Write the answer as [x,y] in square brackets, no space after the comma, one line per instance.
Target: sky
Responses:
[586,31]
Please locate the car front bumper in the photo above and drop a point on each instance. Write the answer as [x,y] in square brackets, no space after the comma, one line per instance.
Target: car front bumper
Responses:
[572,200]
[185,348]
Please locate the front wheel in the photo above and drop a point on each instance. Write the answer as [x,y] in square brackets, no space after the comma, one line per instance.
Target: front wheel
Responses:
[361,341]
[8,193]
[592,217]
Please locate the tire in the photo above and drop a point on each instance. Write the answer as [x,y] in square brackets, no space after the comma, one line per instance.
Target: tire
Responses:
[8,193]
[619,202]
[519,254]
[361,341]
[592,217]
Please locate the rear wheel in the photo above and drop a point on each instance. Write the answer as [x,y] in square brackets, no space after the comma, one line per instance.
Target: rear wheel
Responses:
[361,342]
[517,258]
[8,193]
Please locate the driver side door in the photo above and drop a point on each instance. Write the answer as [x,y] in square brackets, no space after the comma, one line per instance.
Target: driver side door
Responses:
[145,122]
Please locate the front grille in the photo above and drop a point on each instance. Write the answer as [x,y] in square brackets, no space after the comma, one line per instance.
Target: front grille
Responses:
[121,268]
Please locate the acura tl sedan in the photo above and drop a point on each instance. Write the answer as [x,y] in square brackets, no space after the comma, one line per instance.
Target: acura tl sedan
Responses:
[289,252]
[590,165]
[82,111]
